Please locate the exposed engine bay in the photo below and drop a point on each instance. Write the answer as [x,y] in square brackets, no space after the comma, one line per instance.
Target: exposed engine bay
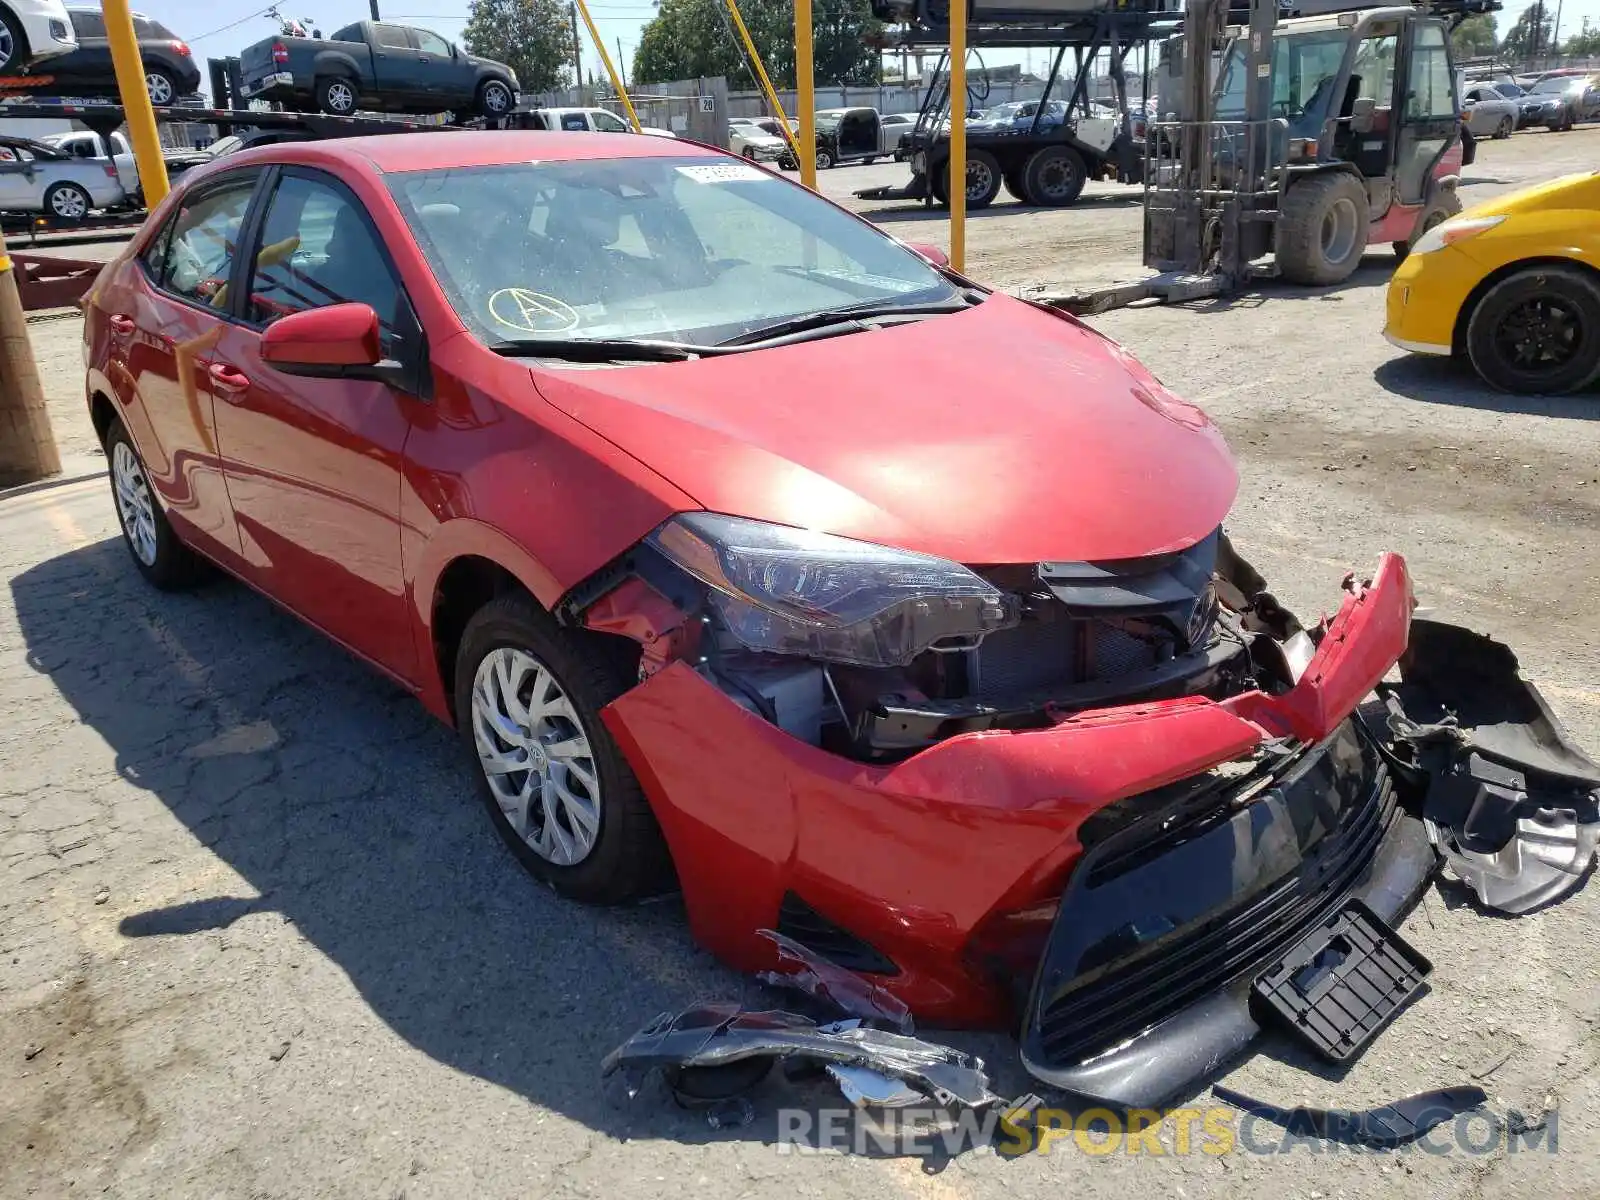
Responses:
[1021,647]
[1198,791]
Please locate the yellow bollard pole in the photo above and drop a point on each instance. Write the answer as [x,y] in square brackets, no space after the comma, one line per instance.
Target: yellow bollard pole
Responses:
[805,91]
[611,67]
[956,170]
[136,106]
[763,80]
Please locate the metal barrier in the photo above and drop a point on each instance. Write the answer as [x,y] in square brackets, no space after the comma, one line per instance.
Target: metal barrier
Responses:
[1212,190]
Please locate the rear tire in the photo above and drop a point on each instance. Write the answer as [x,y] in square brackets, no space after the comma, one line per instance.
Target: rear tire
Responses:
[1322,229]
[1054,176]
[1447,205]
[156,550]
[163,91]
[336,95]
[622,854]
[983,180]
[67,201]
[1537,331]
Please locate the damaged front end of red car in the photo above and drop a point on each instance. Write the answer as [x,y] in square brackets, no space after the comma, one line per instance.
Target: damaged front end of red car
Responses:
[1089,802]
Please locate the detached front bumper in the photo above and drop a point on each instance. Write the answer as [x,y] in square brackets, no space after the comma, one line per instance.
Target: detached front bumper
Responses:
[915,872]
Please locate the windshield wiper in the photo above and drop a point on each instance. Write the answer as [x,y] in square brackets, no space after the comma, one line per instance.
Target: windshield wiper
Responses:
[599,350]
[848,320]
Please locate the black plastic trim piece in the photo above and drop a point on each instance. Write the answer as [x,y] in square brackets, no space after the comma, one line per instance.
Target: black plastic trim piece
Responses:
[798,920]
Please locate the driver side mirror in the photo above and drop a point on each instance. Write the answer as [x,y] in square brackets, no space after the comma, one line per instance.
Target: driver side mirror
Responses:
[1363,114]
[930,254]
[341,341]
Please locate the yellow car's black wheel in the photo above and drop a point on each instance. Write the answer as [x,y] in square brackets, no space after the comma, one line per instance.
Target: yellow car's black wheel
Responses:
[1537,331]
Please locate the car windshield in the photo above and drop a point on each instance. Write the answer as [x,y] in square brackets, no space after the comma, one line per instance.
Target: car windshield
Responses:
[828,120]
[1548,87]
[691,249]
[1509,90]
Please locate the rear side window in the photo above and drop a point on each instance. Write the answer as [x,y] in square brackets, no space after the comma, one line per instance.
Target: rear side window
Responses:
[350,33]
[204,239]
[393,36]
[574,121]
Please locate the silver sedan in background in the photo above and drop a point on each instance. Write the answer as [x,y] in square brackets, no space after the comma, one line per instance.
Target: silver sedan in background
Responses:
[36,178]
[1489,112]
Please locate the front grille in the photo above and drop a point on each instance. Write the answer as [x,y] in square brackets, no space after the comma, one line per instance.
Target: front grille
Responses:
[1122,1001]
[1040,653]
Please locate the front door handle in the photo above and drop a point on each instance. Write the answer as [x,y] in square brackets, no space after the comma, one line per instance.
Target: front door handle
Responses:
[228,379]
[121,323]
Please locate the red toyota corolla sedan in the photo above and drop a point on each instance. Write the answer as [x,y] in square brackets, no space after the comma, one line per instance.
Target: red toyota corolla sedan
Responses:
[751,550]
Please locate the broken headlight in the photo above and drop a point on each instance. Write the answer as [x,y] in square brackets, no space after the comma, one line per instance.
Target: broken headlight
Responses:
[782,590]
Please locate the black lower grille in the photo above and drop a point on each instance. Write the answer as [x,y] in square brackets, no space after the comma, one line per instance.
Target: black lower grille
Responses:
[798,920]
[1120,1001]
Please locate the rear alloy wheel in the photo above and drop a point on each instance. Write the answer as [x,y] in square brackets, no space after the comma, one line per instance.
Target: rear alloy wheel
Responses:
[528,701]
[495,99]
[1322,229]
[160,86]
[161,558]
[1538,331]
[336,95]
[1054,176]
[67,201]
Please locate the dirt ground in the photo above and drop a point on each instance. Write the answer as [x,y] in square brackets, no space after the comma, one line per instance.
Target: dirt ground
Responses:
[257,940]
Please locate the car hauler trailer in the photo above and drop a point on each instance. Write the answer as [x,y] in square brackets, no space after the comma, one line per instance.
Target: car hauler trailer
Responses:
[1071,138]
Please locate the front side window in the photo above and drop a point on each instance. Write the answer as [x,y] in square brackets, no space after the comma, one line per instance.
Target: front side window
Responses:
[693,249]
[431,43]
[606,123]
[317,249]
[204,240]
[1430,96]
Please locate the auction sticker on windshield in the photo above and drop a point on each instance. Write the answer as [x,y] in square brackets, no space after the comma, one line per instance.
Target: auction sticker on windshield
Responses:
[723,173]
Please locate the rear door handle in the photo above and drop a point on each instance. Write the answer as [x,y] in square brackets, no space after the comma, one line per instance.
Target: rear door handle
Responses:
[121,323]
[228,379]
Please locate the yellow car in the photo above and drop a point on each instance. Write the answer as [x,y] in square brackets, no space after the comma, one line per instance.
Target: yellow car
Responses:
[1512,285]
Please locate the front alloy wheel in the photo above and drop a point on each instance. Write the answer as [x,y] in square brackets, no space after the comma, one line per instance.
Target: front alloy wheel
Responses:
[528,696]
[536,756]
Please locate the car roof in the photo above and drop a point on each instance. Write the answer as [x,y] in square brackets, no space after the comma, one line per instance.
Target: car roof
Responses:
[398,152]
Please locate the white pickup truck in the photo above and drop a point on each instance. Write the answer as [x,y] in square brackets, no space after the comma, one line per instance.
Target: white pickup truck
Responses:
[587,120]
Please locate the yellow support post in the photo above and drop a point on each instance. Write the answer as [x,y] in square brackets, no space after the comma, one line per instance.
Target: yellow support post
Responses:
[956,170]
[805,93]
[762,79]
[611,67]
[136,105]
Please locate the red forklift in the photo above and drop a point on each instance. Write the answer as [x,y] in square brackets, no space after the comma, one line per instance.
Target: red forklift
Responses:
[1301,142]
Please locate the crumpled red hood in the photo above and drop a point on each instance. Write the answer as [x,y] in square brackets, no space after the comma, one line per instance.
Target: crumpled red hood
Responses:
[1002,434]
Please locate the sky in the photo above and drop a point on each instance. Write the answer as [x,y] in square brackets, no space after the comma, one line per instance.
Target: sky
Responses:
[217,28]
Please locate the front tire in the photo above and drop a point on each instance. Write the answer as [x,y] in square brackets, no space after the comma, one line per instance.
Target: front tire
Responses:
[14,49]
[1537,331]
[336,95]
[528,700]
[824,160]
[155,549]
[1322,230]
[1505,130]
[495,99]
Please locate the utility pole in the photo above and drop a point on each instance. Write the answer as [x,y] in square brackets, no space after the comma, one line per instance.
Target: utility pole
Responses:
[577,47]
[622,63]
[27,447]
[373,4]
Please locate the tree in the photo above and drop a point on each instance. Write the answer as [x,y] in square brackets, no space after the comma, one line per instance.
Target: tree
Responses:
[1530,35]
[1475,36]
[1585,43]
[691,38]
[532,37]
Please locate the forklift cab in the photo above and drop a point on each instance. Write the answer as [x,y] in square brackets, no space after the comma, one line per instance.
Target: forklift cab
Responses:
[1376,90]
